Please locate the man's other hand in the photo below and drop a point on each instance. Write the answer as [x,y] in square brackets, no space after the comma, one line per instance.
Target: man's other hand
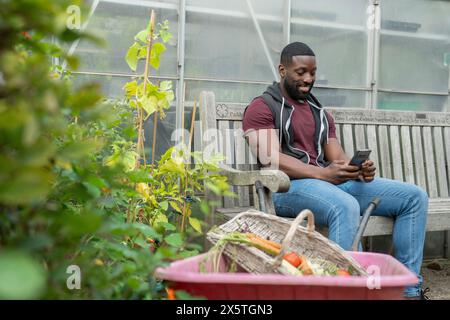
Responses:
[368,171]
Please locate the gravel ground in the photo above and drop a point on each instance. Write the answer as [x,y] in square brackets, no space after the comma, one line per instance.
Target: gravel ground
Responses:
[436,276]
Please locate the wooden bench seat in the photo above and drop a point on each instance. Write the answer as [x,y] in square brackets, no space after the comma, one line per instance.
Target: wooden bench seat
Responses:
[409,146]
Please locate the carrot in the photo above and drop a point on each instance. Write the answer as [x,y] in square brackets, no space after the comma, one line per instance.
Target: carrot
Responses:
[267,246]
[268,242]
[170,294]
[263,245]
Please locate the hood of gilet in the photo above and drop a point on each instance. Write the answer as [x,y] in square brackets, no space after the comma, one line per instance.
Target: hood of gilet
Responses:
[282,112]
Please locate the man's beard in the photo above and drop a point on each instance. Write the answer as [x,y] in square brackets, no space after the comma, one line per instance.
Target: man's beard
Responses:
[293,92]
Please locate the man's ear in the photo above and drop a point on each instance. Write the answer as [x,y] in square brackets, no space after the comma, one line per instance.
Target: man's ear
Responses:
[282,70]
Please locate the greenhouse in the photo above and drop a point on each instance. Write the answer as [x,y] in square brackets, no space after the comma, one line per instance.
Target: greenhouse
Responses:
[173,149]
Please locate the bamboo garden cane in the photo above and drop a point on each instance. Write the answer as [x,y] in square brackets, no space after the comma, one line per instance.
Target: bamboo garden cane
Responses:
[140,143]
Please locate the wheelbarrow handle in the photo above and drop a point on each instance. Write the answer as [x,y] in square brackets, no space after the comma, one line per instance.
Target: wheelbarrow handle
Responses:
[365,218]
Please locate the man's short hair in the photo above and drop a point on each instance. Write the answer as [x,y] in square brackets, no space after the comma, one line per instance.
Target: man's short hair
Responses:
[295,49]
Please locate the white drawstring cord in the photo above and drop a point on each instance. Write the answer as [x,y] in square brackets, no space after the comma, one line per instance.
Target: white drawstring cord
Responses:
[281,121]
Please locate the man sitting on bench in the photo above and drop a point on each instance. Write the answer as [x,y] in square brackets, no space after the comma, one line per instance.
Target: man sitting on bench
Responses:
[288,129]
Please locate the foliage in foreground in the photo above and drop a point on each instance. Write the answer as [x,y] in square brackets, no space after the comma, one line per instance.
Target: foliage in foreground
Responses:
[71,197]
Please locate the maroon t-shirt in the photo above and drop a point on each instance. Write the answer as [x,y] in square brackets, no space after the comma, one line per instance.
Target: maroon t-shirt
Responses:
[259,116]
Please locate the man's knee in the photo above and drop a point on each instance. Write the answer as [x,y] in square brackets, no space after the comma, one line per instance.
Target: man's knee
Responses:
[345,210]
[419,196]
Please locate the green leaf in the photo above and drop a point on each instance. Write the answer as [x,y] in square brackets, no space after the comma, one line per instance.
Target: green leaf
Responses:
[173,166]
[87,96]
[31,131]
[183,295]
[77,150]
[157,50]
[175,206]
[142,35]
[130,89]
[141,242]
[149,104]
[174,239]
[26,186]
[147,231]
[142,53]
[157,220]
[97,181]
[204,207]
[93,190]
[168,226]
[78,224]
[196,224]
[165,35]
[165,85]
[73,62]
[213,188]
[188,253]
[164,205]
[134,283]
[21,277]
[132,56]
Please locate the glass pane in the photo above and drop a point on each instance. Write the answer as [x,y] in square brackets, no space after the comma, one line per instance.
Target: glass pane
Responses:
[118,24]
[340,98]
[415,45]
[225,92]
[222,42]
[112,88]
[408,101]
[164,134]
[337,32]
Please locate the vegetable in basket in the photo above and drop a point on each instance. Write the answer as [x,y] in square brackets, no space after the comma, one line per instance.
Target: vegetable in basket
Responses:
[293,263]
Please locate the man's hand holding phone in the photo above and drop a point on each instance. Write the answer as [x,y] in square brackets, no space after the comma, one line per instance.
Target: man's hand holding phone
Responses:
[367,168]
[338,171]
[359,167]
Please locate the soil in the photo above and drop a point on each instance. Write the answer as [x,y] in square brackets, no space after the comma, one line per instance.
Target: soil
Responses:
[436,276]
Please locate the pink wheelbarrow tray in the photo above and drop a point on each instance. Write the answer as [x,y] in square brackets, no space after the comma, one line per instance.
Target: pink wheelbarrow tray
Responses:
[387,281]
[384,277]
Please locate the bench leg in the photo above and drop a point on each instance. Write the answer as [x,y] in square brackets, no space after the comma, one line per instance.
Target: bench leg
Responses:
[367,244]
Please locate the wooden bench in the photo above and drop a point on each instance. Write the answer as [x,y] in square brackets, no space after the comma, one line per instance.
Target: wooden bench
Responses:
[407,146]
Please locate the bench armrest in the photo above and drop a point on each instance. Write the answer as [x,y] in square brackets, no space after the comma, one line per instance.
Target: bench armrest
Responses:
[274,180]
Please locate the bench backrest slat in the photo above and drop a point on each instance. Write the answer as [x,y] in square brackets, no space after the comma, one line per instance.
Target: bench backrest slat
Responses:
[372,144]
[446,144]
[407,154]
[396,152]
[347,142]
[440,162]
[226,148]
[339,131]
[360,137]
[429,162]
[385,161]
[242,162]
[419,165]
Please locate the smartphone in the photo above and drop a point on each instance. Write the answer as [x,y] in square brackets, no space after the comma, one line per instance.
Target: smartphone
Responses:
[359,157]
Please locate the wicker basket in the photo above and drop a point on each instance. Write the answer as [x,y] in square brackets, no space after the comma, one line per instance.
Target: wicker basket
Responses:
[292,236]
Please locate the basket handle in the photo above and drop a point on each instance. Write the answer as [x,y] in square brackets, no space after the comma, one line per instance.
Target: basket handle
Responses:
[291,232]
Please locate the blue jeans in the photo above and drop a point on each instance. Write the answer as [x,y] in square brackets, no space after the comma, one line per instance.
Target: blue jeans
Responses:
[339,207]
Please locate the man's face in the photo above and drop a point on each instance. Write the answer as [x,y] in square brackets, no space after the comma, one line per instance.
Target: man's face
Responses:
[298,77]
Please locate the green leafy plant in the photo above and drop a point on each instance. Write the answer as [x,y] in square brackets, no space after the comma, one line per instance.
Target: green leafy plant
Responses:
[71,193]
[174,181]
[146,97]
